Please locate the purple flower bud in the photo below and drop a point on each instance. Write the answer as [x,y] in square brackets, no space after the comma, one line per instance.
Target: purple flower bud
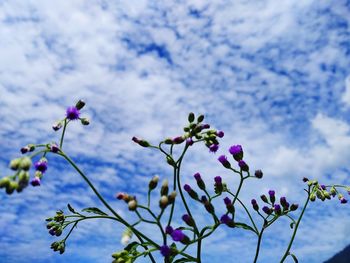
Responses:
[242,164]
[178,140]
[223,160]
[56,126]
[35,181]
[323,187]
[169,230]
[41,166]
[225,219]
[255,205]
[72,113]
[165,250]
[253,202]
[205,126]
[204,199]
[188,219]
[227,201]
[272,196]
[177,235]
[187,188]
[24,149]
[197,176]
[277,209]
[189,142]
[142,143]
[343,200]
[258,174]
[220,134]
[214,148]
[237,152]
[267,210]
[271,193]
[54,148]
[52,232]
[218,179]
[264,198]
[283,201]
[305,179]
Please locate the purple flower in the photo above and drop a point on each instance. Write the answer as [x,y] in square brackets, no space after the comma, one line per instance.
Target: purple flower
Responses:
[197,176]
[267,210]
[41,166]
[54,148]
[35,181]
[225,219]
[187,188]
[271,193]
[223,160]
[169,230]
[220,134]
[237,152]
[72,113]
[214,148]
[343,200]
[242,164]
[253,202]
[177,235]
[189,141]
[165,250]
[24,149]
[188,219]
[227,201]
[218,179]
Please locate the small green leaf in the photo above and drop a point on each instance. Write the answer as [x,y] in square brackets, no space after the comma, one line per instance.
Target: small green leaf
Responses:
[94,210]
[244,226]
[70,208]
[131,246]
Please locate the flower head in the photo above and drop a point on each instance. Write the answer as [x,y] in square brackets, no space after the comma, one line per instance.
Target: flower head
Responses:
[223,160]
[237,152]
[165,250]
[35,181]
[72,113]
[169,230]
[41,166]
[267,210]
[218,179]
[197,176]
[214,148]
[258,174]
[227,201]
[225,219]
[187,188]
[220,134]
[177,235]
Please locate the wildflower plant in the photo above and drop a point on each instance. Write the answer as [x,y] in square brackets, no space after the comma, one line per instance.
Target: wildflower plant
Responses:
[173,243]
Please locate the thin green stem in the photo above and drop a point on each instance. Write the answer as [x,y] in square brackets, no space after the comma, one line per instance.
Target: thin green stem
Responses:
[63,132]
[295,229]
[259,242]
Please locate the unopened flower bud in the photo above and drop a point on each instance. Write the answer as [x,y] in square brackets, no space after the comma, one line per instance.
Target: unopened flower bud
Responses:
[172,197]
[218,184]
[188,220]
[305,179]
[272,196]
[85,121]
[326,195]
[191,117]
[165,188]
[214,148]
[57,125]
[80,104]
[243,165]
[168,141]
[170,161]
[209,207]
[200,118]
[255,205]
[14,164]
[163,202]
[4,182]
[178,140]
[199,181]
[132,204]
[312,197]
[220,134]
[333,191]
[12,186]
[267,210]
[153,183]
[189,141]
[142,143]
[35,181]
[24,149]
[258,174]
[277,209]
[54,148]
[223,160]
[294,207]
[264,198]
[25,163]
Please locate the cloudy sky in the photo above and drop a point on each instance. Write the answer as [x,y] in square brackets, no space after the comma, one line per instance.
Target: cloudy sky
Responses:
[274,75]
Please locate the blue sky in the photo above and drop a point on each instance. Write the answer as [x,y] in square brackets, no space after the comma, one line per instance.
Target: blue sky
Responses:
[274,75]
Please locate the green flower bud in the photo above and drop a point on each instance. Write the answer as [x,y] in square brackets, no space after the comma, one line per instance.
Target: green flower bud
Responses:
[200,118]
[171,197]
[132,205]
[80,104]
[4,182]
[312,197]
[153,183]
[163,202]
[191,117]
[326,195]
[11,187]
[168,141]
[25,163]
[14,164]
[85,121]
[170,161]
[165,188]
